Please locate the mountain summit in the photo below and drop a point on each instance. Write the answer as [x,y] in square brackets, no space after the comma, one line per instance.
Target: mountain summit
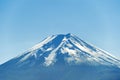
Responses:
[61,52]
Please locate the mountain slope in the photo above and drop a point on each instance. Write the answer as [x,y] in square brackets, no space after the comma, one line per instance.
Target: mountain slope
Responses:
[63,54]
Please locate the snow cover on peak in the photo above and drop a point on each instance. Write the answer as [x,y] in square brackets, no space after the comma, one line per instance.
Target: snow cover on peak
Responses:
[51,58]
[50,38]
[69,49]
[42,43]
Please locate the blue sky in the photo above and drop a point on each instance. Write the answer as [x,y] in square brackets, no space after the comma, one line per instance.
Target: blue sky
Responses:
[24,23]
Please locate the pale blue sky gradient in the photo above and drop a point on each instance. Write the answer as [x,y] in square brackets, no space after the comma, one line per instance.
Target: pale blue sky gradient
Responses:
[24,23]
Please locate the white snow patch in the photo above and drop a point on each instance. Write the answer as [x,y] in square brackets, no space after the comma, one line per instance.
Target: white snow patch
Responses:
[49,49]
[70,51]
[69,45]
[28,55]
[84,48]
[42,43]
[51,58]
[64,39]
[74,56]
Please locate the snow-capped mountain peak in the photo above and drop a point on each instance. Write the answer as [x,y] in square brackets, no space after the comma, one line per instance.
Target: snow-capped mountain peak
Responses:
[65,49]
[61,37]
[65,54]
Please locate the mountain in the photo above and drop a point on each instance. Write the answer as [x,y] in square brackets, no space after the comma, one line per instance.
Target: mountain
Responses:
[62,57]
